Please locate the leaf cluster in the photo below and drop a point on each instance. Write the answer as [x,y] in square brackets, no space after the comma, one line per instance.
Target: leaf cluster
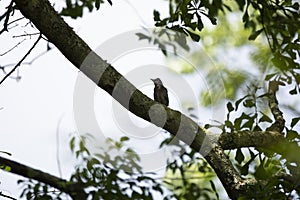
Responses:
[114,173]
[74,8]
[39,191]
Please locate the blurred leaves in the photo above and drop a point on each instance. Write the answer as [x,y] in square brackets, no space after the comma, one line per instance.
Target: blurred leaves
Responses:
[111,173]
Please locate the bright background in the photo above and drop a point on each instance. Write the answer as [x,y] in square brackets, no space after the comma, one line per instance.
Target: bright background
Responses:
[37,111]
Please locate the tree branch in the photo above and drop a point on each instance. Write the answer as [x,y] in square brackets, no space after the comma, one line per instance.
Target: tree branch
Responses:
[268,140]
[74,190]
[6,15]
[20,62]
[278,125]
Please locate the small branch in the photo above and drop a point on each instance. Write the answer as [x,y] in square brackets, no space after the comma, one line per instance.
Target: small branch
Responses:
[16,20]
[20,62]
[279,123]
[25,35]
[7,13]
[240,139]
[6,196]
[13,47]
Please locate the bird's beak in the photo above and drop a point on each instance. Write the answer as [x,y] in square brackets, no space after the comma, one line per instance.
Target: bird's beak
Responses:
[152,79]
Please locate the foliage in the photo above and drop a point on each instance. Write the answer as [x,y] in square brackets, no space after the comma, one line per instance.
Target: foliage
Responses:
[190,177]
[266,166]
[112,174]
[74,8]
[279,20]
[115,172]
[39,191]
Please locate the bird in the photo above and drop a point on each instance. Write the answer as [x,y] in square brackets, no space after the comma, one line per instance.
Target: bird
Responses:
[160,92]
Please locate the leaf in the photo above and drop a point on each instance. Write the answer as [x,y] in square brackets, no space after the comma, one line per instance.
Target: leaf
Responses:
[292,135]
[254,34]
[265,118]
[230,107]
[245,169]
[213,20]
[278,61]
[269,76]
[97,4]
[249,103]
[194,36]
[295,121]
[124,138]
[143,36]
[261,172]
[156,15]
[239,156]
[110,2]
[237,103]
[72,144]
[241,4]
[293,91]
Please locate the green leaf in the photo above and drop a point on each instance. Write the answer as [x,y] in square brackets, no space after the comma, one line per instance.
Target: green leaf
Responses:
[241,4]
[278,61]
[269,76]
[156,15]
[110,2]
[265,118]
[194,36]
[239,156]
[293,91]
[97,4]
[292,135]
[5,168]
[261,172]
[237,103]
[245,169]
[230,107]
[254,34]
[124,138]
[295,121]
[213,187]
[249,103]
[213,20]
[72,144]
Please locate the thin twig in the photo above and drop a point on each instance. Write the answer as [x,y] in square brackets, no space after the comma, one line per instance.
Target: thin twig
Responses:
[12,48]
[9,9]
[20,62]
[29,62]
[26,34]
[15,20]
